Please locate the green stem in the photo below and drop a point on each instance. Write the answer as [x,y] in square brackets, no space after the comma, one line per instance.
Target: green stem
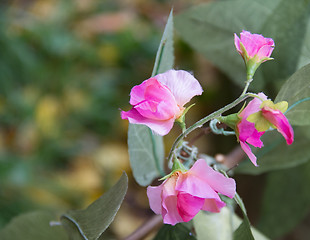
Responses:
[204,120]
[247,84]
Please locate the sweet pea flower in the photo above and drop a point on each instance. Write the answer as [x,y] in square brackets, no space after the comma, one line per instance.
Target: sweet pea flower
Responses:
[260,115]
[254,48]
[181,196]
[159,101]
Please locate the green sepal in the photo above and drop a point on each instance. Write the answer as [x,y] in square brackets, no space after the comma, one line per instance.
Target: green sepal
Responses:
[176,167]
[230,120]
[181,120]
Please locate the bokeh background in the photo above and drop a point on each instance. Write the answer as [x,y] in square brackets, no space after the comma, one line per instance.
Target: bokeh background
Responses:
[66,70]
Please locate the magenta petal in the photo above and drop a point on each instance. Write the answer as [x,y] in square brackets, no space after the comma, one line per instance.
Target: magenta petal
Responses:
[189,206]
[214,179]
[155,200]
[246,148]
[253,106]
[237,43]
[213,205]
[265,52]
[278,119]
[182,84]
[160,127]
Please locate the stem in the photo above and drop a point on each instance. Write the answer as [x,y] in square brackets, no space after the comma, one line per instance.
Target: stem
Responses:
[247,84]
[204,120]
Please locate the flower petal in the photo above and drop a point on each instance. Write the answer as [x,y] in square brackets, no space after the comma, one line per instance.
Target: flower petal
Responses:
[155,200]
[189,206]
[253,106]
[182,84]
[214,179]
[213,205]
[246,148]
[170,211]
[237,43]
[160,127]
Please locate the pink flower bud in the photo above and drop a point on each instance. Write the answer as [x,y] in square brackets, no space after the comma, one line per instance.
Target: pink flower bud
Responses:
[180,197]
[159,101]
[254,46]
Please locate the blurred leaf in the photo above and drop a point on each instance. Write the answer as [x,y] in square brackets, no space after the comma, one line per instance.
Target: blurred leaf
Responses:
[33,226]
[180,231]
[214,226]
[286,200]
[94,220]
[296,91]
[209,29]
[276,154]
[146,150]
[243,232]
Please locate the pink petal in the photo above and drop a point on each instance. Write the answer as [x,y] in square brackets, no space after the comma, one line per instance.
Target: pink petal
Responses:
[182,85]
[170,211]
[214,179]
[278,119]
[254,139]
[154,195]
[237,43]
[253,106]
[248,133]
[160,127]
[158,111]
[246,148]
[188,206]
[213,205]
[265,51]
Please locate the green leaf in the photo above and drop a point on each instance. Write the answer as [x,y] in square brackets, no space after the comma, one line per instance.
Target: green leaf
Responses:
[214,226]
[296,91]
[286,200]
[276,154]
[243,232]
[33,226]
[146,150]
[209,29]
[180,231]
[93,221]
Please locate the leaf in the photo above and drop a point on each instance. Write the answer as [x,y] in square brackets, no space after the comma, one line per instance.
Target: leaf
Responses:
[180,231]
[93,221]
[286,200]
[209,28]
[146,150]
[296,91]
[243,232]
[276,154]
[33,226]
[214,226]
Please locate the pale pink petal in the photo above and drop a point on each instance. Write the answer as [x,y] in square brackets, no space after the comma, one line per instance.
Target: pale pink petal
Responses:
[160,127]
[265,51]
[182,85]
[278,119]
[214,179]
[250,45]
[213,205]
[253,106]
[155,200]
[188,206]
[237,43]
[170,211]
[246,148]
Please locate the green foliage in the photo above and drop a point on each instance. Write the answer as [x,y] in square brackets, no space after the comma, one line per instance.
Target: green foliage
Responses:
[209,29]
[33,226]
[294,91]
[180,231]
[286,200]
[276,154]
[94,220]
[146,150]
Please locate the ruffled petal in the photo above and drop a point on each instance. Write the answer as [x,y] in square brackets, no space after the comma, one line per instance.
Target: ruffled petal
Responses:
[182,85]
[246,148]
[214,179]
[189,206]
[278,119]
[170,211]
[160,127]
[155,200]
[213,205]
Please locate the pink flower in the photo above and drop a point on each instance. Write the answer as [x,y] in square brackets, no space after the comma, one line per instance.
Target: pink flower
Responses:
[159,101]
[259,116]
[180,197]
[254,46]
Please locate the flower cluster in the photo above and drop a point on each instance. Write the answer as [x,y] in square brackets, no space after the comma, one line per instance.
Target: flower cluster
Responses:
[159,101]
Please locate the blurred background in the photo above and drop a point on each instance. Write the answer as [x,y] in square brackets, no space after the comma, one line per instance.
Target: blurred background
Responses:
[66,70]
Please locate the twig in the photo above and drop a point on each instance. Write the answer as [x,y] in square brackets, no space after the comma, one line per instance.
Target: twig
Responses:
[146,228]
